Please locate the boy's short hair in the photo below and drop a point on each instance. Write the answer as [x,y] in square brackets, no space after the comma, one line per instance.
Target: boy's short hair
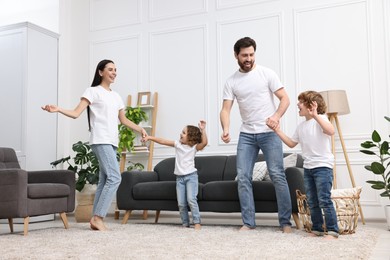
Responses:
[308,97]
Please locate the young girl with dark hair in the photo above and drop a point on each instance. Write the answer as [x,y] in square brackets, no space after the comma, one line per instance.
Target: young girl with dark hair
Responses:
[192,139]
[105,107]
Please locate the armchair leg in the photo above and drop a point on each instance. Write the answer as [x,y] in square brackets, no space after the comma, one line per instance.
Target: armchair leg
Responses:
[25,225]
[157,216]
[126,216]
[11,224]
[296,220]
[64,219]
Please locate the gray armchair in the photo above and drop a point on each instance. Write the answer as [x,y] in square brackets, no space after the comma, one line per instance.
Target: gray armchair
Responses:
[24,194]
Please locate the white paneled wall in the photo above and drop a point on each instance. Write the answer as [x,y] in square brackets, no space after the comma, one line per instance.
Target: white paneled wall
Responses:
[184,51]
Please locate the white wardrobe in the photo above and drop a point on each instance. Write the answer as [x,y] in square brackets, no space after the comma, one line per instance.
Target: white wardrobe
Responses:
[29,79]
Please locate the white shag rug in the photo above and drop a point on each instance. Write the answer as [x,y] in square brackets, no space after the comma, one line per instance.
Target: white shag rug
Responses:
[168,241]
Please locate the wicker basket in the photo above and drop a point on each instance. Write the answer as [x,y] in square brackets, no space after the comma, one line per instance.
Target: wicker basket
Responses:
[347,210]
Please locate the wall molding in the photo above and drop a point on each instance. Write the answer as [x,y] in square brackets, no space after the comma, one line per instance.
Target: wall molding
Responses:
[154,17]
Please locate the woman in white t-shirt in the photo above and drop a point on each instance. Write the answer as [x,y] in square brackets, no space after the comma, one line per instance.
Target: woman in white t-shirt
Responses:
[105,106]
[192,139]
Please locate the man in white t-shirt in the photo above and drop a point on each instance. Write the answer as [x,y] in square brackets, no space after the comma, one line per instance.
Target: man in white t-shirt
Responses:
[254,88]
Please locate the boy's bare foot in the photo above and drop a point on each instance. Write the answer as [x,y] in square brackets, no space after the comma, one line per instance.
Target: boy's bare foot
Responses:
[329,237]
[287,229]
[198,227]
[245,228]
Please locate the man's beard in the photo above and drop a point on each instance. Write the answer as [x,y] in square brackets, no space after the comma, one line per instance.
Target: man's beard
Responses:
[245,68]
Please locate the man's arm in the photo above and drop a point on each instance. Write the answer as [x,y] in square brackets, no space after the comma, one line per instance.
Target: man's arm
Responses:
[284,102]
[225,119]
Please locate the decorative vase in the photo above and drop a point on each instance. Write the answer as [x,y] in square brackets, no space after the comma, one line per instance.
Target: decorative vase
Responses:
[387,213]
[85,198]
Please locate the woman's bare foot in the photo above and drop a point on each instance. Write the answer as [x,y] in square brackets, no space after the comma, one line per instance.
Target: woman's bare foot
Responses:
[97,223]
[198,227]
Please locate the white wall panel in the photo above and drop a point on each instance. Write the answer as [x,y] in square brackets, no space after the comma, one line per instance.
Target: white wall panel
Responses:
[237,3]
[178,72]
[266,31]
[124,52]
[333,52]
[108,13]
[173,8]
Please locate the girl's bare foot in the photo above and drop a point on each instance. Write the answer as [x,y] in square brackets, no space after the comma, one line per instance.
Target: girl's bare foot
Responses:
[197,227]
[245,228]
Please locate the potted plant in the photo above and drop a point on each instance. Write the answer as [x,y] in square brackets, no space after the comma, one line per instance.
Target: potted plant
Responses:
[86,167]
[379,167]
[126,135]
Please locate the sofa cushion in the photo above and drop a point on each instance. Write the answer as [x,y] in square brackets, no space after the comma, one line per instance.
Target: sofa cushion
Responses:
[210,168]
[164,190]
[47,190]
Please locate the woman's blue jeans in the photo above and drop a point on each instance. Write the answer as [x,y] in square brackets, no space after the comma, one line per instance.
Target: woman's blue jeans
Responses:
[318,184]
[109,178]
[248,149]
[186,192]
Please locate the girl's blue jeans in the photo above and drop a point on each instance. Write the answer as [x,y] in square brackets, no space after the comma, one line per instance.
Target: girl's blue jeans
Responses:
[186,191]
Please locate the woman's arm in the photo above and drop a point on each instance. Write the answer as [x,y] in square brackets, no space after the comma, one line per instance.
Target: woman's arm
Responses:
[75,113]
[125,121]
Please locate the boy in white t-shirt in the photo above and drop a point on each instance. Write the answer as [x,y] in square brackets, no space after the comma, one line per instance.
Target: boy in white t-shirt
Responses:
[192,139]
[314,136]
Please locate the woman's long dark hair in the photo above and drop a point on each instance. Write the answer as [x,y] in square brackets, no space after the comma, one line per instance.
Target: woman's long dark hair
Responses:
[97,80]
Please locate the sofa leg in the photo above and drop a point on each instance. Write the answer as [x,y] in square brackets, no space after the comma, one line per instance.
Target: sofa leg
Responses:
[296,220]
[64,219]
[11,224]
[126,216]
[145,214]
[157,216]
[26,221]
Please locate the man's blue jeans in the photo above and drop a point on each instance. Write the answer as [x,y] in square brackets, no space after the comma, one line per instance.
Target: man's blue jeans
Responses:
[318,184]
[248,149]
[109,178]
[186,192]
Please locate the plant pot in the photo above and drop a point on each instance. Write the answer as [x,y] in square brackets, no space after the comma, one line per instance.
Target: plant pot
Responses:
[85,198]
[387,213]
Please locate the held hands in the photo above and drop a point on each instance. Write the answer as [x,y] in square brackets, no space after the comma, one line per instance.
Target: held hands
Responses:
[273,123]
[51,108]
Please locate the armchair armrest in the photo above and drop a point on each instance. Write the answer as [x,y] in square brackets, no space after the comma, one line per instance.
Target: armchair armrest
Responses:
[13,193]
[66,177]
[294,176]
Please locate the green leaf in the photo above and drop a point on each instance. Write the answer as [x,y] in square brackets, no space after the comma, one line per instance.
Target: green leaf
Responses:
[377,168]
[368,152]
[376,137]
[368,144]
[384,148]
[385,194]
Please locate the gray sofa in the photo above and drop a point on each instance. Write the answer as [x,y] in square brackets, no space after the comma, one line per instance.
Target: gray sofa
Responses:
[156,190]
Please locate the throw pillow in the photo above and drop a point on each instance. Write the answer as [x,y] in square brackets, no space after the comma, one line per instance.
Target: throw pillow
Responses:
[260,171]
[288,161]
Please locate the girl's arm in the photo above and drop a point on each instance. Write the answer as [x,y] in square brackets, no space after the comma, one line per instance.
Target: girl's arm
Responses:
[125,121]
[203,143]
[159,140]
[75,113]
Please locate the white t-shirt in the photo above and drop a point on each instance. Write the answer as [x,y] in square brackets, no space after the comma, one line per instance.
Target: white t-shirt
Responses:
[315,144]
[104,110]
[254,93]
[184,159]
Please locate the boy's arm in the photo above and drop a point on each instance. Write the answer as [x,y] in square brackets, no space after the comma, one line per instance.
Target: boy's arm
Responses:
[287,140]
[326,126]
[159,140]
